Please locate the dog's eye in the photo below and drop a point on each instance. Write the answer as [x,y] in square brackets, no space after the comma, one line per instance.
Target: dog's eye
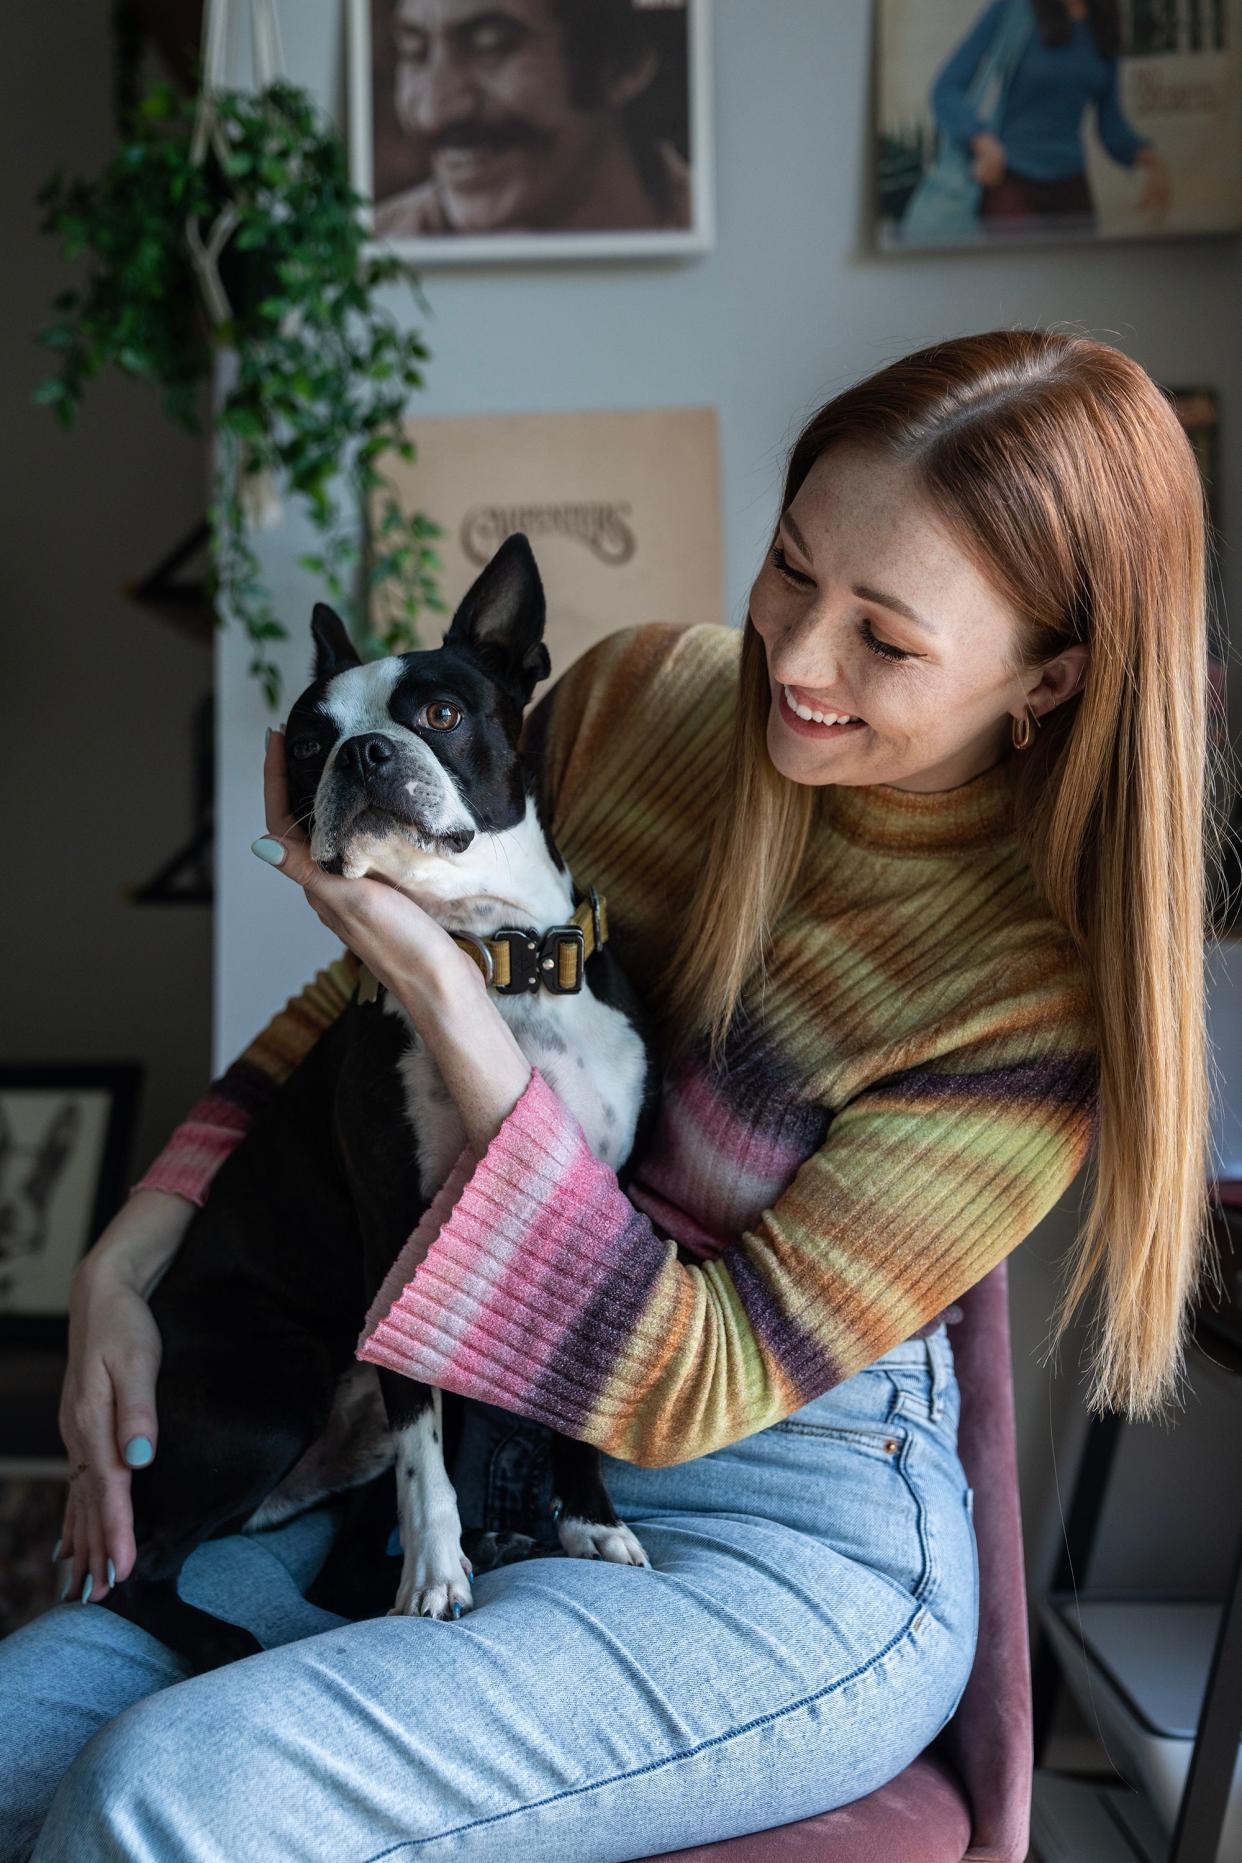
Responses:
[305,749]
[443,716]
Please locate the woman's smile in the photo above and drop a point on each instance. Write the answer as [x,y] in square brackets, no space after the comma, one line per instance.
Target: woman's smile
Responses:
[808,727]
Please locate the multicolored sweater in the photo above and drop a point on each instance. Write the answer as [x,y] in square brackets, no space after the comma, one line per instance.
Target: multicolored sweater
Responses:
[910,1093]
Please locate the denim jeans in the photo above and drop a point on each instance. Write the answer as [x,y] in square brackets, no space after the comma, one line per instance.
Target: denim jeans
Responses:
[805,1629]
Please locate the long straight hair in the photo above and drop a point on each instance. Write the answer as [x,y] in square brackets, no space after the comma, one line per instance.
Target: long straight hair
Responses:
[1061,468]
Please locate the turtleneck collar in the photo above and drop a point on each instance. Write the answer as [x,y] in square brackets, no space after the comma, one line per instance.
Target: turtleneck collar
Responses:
[909,821]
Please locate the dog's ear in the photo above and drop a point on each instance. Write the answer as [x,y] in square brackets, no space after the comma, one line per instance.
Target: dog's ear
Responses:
[501,619]
[334,650]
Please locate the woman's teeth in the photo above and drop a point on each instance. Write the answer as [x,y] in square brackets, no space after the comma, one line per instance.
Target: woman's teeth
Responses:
[804,711]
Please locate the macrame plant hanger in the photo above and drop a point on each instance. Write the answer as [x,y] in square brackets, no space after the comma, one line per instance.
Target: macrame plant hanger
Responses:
[185,878]
[257,490]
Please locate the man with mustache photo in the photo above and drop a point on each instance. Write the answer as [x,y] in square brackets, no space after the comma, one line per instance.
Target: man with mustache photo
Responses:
[526,110]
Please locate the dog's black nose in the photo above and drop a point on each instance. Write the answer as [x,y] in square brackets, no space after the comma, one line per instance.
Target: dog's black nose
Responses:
[360,756]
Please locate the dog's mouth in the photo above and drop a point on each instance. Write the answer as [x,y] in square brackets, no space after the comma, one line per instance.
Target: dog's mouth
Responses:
[373,823]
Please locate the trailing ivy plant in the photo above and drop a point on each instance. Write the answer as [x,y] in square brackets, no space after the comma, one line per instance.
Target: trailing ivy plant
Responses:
[320,375]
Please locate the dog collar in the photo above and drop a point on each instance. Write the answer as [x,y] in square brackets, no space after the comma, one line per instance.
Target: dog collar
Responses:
[516,960]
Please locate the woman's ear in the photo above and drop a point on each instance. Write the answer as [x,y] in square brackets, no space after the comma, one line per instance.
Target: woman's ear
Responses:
[1061,679]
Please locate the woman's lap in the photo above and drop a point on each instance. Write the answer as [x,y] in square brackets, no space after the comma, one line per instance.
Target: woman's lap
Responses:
[760,1671]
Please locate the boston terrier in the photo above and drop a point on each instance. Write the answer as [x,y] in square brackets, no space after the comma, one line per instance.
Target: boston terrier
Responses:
[406,769]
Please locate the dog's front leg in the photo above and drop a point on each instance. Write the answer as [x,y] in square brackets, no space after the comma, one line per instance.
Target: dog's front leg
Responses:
[435,1573]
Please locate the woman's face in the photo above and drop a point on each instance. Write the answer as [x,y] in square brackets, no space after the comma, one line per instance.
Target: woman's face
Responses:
[877,614]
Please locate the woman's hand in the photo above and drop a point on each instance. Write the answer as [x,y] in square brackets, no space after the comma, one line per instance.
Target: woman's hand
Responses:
[410,953]
[988,167]
[107,1405]
[480,1062]
[1157,190]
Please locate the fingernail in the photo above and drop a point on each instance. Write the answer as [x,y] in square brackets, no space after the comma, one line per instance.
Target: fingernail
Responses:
[267,849]
[267,738]
[56,1550]
[64,1590]
[138,1451]
[111,1573]
[86,1589]
[456,1610]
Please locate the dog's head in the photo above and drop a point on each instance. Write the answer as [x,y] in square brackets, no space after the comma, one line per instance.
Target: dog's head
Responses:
[396,765]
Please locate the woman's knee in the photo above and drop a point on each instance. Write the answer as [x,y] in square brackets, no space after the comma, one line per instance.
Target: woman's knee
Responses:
[113,1799]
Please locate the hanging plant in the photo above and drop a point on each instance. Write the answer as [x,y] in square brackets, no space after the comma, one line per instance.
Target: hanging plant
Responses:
[250,242]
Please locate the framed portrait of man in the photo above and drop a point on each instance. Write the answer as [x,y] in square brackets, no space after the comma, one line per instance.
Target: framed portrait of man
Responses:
[532,129]
[1003,122]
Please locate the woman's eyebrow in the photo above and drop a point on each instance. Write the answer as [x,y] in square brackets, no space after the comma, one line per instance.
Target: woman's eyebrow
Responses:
[894,602]
[861,589]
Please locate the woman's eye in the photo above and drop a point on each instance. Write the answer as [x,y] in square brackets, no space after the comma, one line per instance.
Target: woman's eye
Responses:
[791,575]
[442,716]
[877,646]
[305,749]
[882,646]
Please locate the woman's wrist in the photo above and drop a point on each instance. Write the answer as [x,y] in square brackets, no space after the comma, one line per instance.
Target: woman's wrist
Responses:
[474,1049]
[139,1242]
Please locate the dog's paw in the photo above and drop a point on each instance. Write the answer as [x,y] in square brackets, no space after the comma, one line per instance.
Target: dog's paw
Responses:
[433,1588]
[589,1539]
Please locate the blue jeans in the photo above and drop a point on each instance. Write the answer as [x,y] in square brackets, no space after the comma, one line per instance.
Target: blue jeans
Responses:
[805,1629]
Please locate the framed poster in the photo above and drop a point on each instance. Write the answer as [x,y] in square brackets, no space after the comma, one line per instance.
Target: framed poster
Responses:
[65,1134]
[1003,121]
[622,511]
[532,129]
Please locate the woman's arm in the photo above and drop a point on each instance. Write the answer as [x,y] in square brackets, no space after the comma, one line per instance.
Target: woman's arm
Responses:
[541,1288]
[955,114]
[107,1407]
[1117,133]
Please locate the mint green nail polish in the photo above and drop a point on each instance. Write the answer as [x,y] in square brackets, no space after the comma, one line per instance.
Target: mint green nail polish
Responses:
[64,1590]
[111,1573]
[138,1451]
[86,1589]
[267,738]
[268,850]
[56,1551]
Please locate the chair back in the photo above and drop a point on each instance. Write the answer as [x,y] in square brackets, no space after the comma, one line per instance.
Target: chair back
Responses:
[989,1740]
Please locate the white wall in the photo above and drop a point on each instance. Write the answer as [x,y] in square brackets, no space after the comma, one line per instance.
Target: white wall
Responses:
[789,307]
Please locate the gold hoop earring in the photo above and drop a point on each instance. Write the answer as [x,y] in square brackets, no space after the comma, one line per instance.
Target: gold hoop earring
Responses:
[1023,731]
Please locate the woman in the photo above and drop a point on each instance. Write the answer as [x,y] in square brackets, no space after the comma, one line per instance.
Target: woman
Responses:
[1029,159]
[910,963]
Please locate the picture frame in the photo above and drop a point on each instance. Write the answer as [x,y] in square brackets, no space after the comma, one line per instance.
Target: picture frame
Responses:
[1125,124]
[66,1134]
[656,159]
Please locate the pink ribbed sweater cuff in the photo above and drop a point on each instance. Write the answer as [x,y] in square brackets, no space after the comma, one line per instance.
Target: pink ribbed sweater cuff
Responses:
[515,1252]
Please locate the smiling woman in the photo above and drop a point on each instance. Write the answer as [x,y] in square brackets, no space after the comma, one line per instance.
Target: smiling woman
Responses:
[910,970]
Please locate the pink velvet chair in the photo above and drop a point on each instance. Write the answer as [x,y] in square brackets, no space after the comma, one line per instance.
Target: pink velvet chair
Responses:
[969,1794]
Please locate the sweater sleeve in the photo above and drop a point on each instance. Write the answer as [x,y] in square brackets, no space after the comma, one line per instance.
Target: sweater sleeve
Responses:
[220,1120]
[1116,132]
[546,1291]
[955,114]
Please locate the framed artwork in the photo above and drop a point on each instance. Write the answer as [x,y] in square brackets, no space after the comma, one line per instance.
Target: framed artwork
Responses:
[532,129]
[65,1136]
[622,510]
[1025,121]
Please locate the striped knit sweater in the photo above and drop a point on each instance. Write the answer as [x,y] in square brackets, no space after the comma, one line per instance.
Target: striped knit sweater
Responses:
[908,1095]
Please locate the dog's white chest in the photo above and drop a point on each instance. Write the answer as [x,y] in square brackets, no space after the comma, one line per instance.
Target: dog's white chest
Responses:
[589,1053]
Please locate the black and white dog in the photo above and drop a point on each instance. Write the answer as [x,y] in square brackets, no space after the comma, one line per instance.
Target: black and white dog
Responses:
[406,769]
